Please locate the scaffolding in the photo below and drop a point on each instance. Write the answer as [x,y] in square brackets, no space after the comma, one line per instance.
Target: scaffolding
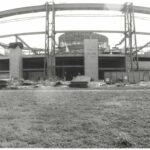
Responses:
[131,52]
[130,40]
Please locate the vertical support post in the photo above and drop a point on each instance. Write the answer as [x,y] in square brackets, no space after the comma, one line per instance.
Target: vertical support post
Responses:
[53,42]
[135,41]
[46,41]
[50,39]
[130,35]
[127,38]
[125,34]
[16,39]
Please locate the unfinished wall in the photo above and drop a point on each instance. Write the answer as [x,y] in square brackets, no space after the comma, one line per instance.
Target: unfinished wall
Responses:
[144,63]
[91,58]
[131,77]
[15,62]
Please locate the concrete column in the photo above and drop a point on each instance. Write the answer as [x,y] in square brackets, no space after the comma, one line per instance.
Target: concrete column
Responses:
[91,58]
[15,60]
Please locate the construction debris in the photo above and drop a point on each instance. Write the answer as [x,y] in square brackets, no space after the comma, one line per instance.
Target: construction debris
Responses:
[28,83]
[58,83]
[80,81]
[142,83]
[20,84]
[96,84]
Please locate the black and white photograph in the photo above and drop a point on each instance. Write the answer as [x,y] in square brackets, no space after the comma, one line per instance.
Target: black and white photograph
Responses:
[75,74]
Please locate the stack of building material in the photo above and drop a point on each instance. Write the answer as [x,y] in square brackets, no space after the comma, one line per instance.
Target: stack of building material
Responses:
[28,83]
[80,81]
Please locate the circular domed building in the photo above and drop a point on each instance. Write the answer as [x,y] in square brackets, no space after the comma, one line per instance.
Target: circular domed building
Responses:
[74,41]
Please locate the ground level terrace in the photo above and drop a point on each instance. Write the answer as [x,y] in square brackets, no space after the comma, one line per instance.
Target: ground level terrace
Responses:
[71,65]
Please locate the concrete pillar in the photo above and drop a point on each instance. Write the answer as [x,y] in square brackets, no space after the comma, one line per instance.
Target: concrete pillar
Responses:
[15,60]
[91,58]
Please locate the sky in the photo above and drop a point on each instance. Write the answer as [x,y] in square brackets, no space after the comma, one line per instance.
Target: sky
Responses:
[69,23]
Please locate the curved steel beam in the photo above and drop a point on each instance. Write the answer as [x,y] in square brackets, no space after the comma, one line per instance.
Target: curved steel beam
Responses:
[63,31]
[100,31]
[76,6]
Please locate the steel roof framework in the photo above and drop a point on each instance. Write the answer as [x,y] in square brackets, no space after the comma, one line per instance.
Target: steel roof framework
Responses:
[64,7]
[72,6]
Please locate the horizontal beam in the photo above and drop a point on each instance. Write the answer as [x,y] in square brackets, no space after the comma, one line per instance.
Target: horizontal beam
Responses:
[100,31]
[33,49]
[111,55]
[4,71]
[107,69]
[75,6]
[59,31]
[65,31]
[143,33]
[70,66]
[32,69]
[33,56]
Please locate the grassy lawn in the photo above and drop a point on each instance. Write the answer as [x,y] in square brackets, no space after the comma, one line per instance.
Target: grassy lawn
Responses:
[77,119]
